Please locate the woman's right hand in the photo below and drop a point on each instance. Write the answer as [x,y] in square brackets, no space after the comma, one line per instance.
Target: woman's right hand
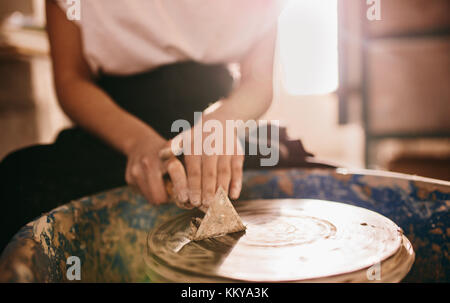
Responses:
[145,170]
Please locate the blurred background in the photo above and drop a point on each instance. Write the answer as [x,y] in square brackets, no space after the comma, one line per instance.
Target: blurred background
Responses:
[361,93]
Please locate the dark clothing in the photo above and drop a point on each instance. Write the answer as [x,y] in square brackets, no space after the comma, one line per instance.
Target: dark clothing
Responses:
[37,179]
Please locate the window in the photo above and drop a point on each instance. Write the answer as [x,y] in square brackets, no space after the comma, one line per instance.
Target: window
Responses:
[308,47]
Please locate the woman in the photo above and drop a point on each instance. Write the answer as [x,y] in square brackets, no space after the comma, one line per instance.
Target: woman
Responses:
[124,73]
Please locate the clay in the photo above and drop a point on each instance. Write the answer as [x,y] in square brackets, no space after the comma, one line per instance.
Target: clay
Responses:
[285,240]
[220,219]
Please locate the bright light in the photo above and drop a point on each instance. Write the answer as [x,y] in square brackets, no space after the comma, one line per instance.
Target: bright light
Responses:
[308,47]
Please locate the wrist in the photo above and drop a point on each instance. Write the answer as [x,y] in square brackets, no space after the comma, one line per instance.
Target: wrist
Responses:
[137,137]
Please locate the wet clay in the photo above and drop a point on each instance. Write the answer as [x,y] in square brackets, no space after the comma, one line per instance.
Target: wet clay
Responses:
[285,240]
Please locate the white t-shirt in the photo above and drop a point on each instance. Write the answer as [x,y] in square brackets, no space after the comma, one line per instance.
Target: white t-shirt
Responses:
[130,36]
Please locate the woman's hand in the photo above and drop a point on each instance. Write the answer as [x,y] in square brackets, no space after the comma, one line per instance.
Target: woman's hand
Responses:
[251,98]
[202,174]
[195,183]
[145,169]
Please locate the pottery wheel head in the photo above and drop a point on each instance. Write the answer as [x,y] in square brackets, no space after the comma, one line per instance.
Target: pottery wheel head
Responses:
[285,240]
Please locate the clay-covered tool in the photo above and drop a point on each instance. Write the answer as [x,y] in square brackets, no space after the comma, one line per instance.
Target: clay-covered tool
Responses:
[221,218]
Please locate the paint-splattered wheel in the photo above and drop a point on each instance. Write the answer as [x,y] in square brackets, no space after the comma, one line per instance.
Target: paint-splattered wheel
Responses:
[109,231]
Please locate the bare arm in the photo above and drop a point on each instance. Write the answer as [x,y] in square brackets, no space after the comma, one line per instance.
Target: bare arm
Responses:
[91,108]
[85,103]
[204,174]
[88,106]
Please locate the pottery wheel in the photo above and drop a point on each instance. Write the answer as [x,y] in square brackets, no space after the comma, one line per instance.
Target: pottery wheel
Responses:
[285,240]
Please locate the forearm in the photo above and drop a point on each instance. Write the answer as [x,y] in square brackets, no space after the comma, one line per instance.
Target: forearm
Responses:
[83,101]
[89,107]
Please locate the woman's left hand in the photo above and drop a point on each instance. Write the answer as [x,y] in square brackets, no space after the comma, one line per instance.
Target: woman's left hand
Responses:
[205,171]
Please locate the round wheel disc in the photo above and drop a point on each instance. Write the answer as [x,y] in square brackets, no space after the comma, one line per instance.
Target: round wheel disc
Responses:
[285,240]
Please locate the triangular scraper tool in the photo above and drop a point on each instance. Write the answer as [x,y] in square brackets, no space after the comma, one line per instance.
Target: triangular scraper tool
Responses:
[220,219]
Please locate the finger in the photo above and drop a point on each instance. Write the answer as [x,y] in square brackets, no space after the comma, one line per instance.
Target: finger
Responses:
[179,179]
[132,184]
[157,189]
[224,172]
[173,148]
[137,177]
[209,178]
[166,153]
[237,163]
[194,175]
[186,205]
[154,182]
[128,178]
[168,184]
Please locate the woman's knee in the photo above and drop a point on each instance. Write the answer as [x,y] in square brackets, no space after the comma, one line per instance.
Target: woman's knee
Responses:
[23,162]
